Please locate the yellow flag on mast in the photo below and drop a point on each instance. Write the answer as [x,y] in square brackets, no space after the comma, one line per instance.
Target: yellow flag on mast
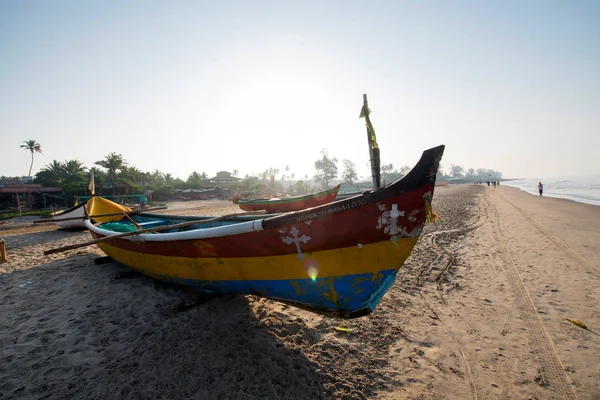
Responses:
[92,185]
[364,113]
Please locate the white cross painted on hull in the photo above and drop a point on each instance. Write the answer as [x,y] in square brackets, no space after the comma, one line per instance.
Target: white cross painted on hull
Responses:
[295,239]
[389,220]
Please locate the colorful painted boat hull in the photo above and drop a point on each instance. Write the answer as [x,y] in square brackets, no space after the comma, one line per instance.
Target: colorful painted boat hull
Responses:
[290,204]
[338,259]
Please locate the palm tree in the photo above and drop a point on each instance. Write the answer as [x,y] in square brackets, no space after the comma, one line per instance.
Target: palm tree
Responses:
[55,166]
[132,174]
[51,174]
[113,162]
[195,179]
[287,175]
[168,177]
[73,167]
[33,147]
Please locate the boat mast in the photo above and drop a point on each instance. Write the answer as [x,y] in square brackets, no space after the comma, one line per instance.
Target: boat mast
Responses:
[373,147]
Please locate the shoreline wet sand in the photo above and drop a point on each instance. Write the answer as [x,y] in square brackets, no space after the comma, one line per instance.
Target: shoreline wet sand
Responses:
[478,311]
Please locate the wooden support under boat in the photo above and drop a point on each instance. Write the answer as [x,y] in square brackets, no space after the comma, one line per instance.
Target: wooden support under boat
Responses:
[103,260]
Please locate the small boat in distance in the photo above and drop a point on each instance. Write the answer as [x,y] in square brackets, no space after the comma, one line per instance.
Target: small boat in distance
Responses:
[73,218]
[288,204]
[65,219]
[337,259]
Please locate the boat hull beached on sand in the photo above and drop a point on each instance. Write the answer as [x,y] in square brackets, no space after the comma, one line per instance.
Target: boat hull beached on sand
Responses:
[289,204]
[73,218]
[337,259]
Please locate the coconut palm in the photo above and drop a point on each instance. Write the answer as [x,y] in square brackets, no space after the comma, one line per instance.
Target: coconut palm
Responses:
[157,177]
[132,174]
[33,147]
[55,166]
[74,167]
[168,177]
[51,174]
[113,163]
[65,170]
[195,179]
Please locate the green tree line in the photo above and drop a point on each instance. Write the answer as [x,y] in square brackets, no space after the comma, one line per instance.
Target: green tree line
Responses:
[74,177]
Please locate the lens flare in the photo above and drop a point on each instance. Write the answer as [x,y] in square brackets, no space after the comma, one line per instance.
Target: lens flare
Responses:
[312,269]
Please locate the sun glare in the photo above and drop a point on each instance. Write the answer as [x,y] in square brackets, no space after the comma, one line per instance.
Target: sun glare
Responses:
[312,269]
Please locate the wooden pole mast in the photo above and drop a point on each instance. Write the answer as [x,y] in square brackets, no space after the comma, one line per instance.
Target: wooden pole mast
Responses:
[373,151]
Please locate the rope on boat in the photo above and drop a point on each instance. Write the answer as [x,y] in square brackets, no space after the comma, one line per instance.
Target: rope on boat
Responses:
[431,215]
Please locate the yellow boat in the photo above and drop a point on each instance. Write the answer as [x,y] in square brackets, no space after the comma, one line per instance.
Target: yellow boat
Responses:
[73,218]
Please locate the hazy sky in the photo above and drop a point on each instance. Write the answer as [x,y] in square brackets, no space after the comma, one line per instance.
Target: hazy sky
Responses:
[222,85]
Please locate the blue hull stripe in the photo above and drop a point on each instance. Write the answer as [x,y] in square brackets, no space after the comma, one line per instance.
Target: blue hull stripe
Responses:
[348,293]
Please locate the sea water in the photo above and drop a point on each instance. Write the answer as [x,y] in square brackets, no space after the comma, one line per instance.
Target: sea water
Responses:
[582,189]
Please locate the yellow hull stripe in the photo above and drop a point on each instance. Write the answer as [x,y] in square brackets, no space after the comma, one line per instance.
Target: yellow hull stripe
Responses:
[368,258]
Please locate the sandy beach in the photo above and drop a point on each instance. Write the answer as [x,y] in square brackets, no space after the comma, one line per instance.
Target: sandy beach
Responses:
[479,311]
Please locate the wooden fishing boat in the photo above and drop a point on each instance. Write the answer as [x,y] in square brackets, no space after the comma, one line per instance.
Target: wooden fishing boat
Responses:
[288,204]
[337,259]
[73,218]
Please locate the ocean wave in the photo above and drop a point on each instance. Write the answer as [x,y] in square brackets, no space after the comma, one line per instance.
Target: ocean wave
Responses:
[582,190]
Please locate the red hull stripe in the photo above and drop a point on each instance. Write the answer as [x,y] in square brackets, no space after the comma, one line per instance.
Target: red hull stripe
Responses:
[357,223]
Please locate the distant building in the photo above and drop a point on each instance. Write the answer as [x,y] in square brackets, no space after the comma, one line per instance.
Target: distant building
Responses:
[222,179]
[222,183]
[455,181]
[196,194]
[34,195]
[121,189]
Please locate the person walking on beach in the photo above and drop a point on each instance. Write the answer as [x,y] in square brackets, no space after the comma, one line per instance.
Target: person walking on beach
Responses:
[540,188]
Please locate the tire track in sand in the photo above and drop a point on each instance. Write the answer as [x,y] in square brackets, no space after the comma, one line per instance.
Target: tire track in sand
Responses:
[552,371]
[554,240]
[441,252]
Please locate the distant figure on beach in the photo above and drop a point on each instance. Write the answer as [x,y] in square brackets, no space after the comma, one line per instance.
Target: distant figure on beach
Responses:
[540,188]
